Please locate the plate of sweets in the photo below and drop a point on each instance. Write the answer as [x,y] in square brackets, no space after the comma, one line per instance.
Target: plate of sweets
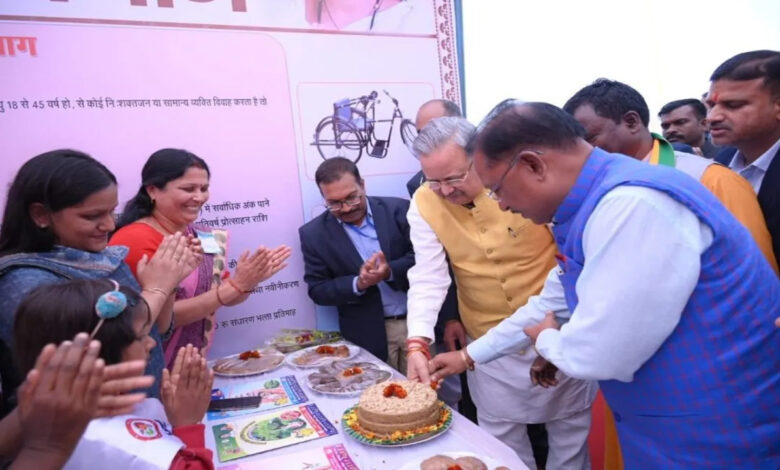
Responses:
[346,377]
[454,461]
[321,355]
[397,413]
[293,339]
[251,362]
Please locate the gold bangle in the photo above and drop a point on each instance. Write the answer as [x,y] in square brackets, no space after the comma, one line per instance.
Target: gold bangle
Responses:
[424,352]
[155,290]
[466,360]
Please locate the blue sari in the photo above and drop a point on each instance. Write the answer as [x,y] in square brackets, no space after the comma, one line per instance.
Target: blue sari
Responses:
[22,272]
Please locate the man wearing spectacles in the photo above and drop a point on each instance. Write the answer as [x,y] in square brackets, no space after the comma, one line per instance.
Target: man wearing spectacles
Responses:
[356,256]
[661,284]
[448,331]
[429,111]
[499,260]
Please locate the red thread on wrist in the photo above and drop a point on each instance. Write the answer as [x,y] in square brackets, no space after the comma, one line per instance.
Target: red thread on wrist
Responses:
[235,286]
[219,298]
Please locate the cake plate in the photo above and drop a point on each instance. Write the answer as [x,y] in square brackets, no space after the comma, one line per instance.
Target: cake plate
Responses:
[233,366]
[349,423]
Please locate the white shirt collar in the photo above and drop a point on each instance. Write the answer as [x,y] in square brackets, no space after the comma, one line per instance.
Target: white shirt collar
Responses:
[761,163]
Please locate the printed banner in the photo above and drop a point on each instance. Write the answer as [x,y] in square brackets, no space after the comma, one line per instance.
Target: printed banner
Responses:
[333,457]
[264,91]
[276,393]
[270,431]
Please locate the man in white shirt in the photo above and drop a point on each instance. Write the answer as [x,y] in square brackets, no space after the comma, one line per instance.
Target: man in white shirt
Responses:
[744,112]
[662,289]
[498,260]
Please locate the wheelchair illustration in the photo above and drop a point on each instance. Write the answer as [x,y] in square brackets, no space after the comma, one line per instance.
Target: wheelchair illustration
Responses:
[352,128]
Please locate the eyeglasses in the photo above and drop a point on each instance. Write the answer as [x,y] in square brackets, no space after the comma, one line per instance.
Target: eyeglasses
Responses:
[454,181]
[352,201]
[493,193]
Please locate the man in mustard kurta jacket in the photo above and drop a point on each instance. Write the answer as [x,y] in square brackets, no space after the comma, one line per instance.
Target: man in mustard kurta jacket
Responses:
[499,259]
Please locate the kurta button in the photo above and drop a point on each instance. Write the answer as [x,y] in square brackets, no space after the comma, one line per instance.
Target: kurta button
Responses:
[509,299]
[489,250]
[617,417]
[483,230]
[503,280]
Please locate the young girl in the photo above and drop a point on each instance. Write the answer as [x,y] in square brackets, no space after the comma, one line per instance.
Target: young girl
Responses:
[156,435]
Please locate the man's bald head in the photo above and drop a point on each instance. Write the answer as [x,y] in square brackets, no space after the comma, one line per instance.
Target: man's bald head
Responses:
[529,156]
[513,124]
[435,109]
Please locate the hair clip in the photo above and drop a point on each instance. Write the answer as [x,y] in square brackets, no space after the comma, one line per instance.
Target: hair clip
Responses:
[109,305]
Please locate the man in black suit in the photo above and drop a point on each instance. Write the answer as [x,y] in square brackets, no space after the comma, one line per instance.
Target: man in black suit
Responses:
[357,254]
[744,113]
[430,110]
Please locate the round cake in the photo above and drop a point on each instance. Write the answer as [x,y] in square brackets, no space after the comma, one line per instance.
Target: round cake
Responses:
[398,406]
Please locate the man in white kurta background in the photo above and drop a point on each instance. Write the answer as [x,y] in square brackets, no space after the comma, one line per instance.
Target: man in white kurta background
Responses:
[499,260]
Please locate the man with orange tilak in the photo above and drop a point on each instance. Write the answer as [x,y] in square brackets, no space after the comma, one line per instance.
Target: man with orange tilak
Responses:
[616,117]
[744,112]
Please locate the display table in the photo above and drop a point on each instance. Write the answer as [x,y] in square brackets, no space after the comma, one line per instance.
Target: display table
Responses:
[463,436]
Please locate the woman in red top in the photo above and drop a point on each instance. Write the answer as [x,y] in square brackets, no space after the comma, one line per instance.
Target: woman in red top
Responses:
[175,185]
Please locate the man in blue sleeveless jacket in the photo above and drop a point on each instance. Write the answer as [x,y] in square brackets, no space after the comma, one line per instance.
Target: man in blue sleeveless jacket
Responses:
[671,302]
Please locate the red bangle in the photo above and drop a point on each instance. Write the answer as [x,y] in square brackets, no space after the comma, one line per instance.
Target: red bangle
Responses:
[233,284]
[219,299]
[421,342]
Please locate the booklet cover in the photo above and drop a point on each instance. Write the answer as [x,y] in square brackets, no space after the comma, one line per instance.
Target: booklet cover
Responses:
[333,457]
[276,393]
[261,433]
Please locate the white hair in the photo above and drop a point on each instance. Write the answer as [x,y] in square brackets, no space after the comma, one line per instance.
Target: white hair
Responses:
[441,131]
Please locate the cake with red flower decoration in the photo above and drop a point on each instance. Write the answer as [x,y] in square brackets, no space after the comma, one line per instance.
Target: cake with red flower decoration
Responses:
[398,406]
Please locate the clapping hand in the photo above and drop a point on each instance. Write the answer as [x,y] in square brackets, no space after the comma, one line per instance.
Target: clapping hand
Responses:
[373,271]
[259,266]
[171,263]
[195,254]
[60,396]
[186,389]
[276,261]
[119,380]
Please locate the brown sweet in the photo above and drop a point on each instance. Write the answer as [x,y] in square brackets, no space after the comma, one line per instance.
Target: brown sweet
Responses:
[470,463]
[438,462]
[386,413]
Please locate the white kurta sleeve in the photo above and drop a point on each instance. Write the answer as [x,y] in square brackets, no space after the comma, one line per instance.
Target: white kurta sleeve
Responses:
[508,336]
[643,257]
[429,278]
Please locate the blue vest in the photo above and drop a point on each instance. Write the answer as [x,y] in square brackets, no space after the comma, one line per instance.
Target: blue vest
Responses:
[710,396]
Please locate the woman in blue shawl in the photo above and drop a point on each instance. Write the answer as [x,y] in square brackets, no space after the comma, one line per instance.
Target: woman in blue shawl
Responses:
[58,216]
